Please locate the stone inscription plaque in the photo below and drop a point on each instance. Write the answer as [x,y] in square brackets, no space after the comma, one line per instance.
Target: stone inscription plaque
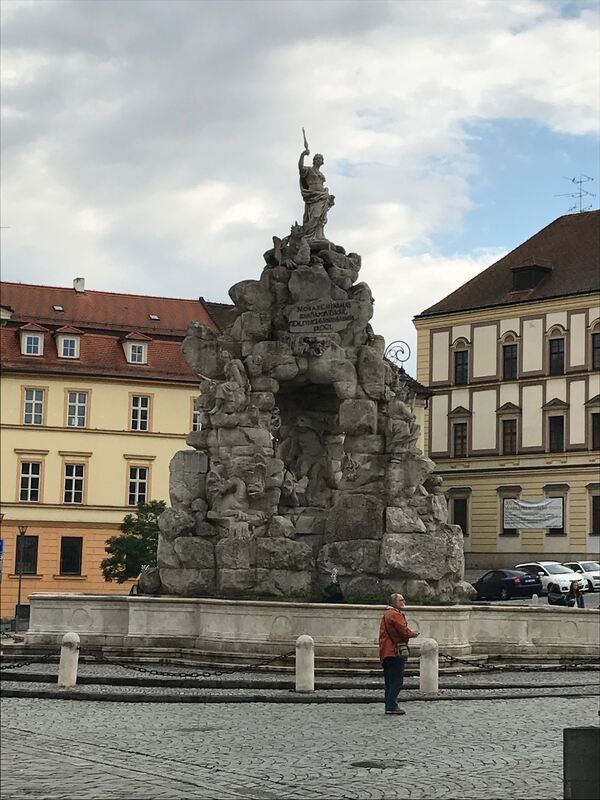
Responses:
[321,316]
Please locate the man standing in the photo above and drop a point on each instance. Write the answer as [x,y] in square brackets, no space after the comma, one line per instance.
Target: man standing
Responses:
[393,630]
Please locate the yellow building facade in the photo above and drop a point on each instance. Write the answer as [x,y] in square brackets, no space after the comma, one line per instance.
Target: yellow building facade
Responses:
[513,361]
[85,437]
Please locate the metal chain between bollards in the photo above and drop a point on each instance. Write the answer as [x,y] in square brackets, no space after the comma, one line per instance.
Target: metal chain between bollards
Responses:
[484,666]
[101,659]
[40,660]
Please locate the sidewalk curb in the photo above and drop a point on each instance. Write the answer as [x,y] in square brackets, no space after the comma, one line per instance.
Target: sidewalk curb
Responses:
[243,683]
[289,697]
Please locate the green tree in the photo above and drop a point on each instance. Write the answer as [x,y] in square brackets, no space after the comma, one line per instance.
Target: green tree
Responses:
[136,545]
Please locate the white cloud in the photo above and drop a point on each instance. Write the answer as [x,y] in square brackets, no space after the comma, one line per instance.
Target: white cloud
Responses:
[152,146]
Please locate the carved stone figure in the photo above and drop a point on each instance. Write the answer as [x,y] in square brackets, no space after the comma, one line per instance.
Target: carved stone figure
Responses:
[229,498]
[294,250]
[230,396]
[234,370]
[275,423]
[317,200]
[289,495]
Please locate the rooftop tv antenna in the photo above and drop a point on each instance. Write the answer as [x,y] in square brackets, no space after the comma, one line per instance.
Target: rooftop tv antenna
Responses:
[579,195]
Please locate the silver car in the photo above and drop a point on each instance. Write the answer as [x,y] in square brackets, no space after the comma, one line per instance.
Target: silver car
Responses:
[590,570]
[552,573]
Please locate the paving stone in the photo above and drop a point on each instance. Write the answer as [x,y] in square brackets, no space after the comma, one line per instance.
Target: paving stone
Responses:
[239,751]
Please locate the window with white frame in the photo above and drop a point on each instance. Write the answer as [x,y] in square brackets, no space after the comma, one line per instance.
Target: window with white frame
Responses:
[74,481]
[68,347]
[138,485]
[140,412]
[196,424]
[33,410]
[138,352]
[29,486]
[32,344]
[77,409]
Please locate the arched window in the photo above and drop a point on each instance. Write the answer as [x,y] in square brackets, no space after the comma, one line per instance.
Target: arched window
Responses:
[510,356]
[556,350]
[595,345]
[460,362]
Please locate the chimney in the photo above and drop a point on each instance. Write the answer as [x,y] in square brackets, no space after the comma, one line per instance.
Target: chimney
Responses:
[79,285]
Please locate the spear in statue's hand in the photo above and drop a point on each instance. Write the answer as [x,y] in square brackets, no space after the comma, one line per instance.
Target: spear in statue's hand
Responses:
[305,142]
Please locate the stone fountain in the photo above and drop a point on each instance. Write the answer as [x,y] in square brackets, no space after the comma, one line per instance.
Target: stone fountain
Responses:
[307,460]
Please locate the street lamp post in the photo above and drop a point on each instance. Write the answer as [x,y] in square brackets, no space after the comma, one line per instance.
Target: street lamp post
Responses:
[20,548]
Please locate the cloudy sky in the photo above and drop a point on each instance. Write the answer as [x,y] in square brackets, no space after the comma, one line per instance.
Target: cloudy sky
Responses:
[151,146]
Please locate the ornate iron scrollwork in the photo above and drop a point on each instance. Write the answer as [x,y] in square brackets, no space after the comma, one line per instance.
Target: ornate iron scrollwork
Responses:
[397,352]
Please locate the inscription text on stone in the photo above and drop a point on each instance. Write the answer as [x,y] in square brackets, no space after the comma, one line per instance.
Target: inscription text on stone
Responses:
[321,316]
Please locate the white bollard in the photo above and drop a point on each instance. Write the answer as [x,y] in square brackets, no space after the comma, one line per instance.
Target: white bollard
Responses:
[535,599]
[305,664]
[69,660]
[429,667]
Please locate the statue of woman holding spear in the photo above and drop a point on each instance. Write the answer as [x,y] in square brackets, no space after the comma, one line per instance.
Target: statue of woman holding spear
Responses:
[317,200]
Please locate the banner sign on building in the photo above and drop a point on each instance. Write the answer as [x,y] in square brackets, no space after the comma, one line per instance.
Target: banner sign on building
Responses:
[547,513]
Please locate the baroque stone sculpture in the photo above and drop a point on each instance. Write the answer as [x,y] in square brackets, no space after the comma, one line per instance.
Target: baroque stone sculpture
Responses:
[307,462]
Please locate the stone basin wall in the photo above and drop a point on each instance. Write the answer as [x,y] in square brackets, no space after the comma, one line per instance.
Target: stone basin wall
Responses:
[306,465]
[205,626]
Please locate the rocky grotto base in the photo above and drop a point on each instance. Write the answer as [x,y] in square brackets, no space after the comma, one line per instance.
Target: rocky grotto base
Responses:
[306,464]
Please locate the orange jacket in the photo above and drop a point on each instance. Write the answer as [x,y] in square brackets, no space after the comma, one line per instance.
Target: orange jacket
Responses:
[393,629]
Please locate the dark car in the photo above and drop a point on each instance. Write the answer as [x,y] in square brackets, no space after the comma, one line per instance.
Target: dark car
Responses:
[502,584]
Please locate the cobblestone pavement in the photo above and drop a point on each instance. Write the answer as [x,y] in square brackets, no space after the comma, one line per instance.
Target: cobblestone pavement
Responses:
[55,750]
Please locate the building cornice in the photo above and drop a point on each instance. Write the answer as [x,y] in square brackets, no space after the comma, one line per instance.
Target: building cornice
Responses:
[519,306]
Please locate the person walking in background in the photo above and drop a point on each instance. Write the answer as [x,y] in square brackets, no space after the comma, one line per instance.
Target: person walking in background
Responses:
[394,631]
[575,596]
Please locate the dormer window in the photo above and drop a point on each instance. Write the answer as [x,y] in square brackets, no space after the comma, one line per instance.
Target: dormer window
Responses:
[154,317]
[137,353]
[68,347]
[32,341]
[135,347]
[33,345]
[528,276]
[57,308]
[68,342]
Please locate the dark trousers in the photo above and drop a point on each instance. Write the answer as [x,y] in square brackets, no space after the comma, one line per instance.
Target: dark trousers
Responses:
[393,673]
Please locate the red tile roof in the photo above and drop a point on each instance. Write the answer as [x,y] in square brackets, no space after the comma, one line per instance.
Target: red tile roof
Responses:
[570,246]
[104,320]
[104,310]
[100,355]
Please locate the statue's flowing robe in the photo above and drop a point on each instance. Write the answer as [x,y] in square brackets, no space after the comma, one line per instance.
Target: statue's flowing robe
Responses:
[317,201]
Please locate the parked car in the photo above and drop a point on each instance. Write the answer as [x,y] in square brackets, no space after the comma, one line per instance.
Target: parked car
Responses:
[554,573]
[590,571]
[503,584]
